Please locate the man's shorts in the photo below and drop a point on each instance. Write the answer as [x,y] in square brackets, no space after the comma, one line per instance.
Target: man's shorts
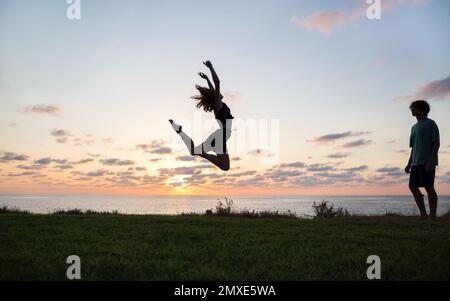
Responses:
[420,177]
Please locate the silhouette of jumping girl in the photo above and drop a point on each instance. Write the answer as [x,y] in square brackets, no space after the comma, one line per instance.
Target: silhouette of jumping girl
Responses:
[210,99]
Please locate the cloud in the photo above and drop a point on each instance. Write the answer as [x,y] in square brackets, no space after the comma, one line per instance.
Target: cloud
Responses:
[310,181]
[204,166]
[322,21]
[88,140]
[357,168]
[260,152]
[161,150]
[61,135]
[153,180]
[197,179]
[93,155]
[391,171]
[186,158]
[314,175]
[62,140]
[184,170]
[438,90]
[243,173]
[232,95]
[22,174]
[179,171]
[99,173]
[126,178]
[31,167]
[293,165]
[402,151]
[117,162]
[320,167]
[106,140]
[254,181]
[39,176]
[48,160]
[64,166]
[345,177]
[323,175]
[329,138]
[338,155]
[155,147]
[82,179]
[10,156]
[379,62]
[82,161]
[445,178]
[42,109]
[282,175]
[356,143]
[326,21]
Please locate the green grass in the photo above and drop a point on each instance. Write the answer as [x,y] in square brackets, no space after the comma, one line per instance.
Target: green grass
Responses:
[120,247]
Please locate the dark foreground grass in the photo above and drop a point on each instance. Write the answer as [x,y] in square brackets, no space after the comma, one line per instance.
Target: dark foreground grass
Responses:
[119,247]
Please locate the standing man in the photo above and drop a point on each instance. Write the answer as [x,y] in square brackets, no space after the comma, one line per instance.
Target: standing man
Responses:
[424,143]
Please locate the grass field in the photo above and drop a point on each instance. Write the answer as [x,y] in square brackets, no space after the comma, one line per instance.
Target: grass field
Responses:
[119,247]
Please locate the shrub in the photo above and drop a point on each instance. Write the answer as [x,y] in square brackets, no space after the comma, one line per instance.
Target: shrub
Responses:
[224,208]
[6,210]
[68,212]
[327,210]
[227,208]
[81,212]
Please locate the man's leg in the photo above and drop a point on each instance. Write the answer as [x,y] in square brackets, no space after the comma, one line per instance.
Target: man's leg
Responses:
[432,201]
[418,197]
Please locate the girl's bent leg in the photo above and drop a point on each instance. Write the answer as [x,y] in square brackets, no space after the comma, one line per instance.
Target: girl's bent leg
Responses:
[221,160]
[188,141]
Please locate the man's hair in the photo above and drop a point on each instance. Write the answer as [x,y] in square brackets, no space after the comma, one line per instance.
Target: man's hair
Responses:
[421,105]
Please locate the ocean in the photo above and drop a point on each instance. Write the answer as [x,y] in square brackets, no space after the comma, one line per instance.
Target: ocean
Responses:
[172,205]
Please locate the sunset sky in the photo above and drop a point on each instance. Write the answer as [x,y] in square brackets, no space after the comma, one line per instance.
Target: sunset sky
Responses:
[85,103]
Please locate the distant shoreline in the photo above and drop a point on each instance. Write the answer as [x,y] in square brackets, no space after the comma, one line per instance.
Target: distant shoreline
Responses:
[175,205]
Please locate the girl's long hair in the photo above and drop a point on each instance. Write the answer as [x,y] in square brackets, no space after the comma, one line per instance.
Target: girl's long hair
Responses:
[206,98]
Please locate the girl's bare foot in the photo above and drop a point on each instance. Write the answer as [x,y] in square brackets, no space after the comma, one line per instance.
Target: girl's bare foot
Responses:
[175,126]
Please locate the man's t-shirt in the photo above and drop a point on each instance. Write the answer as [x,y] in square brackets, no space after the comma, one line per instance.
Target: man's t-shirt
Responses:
[424,134]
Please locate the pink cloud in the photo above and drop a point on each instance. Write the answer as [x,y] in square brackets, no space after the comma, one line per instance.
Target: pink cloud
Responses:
[325,22]
[42,109]
[321,21]
[438,89]
[232,95]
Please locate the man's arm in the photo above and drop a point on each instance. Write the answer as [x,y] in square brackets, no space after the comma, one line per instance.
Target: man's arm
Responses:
[408,166]
[435,148]
[434,156]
